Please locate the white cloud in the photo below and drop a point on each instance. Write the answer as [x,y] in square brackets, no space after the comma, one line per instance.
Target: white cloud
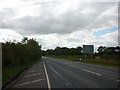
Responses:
[59,23]
[7,35]
[111,39]
[10,3]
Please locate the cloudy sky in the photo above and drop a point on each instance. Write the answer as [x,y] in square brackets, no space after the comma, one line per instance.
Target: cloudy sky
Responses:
[65,23]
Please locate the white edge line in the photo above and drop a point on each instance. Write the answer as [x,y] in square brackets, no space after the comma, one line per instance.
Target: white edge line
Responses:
[48,81]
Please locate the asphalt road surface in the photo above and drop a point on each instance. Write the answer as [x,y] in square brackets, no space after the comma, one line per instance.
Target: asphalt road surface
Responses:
[69,74]
[58,73]
[34,77]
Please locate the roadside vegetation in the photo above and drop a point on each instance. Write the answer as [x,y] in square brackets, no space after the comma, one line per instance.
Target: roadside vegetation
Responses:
[106,56]
[17,56]
[10,71]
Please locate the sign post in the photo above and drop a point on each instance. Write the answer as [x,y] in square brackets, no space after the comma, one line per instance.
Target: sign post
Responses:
[88,49]
[85,56]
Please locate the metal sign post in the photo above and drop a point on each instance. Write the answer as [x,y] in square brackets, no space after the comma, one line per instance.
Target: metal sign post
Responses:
[91,56]
[85,56]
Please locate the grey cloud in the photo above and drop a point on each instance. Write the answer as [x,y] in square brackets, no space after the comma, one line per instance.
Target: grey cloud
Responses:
[67,22]
[72,40]
[8,13]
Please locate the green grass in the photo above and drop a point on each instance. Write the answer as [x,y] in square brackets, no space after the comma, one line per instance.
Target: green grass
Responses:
[104,63]
[97,61]
[10,71]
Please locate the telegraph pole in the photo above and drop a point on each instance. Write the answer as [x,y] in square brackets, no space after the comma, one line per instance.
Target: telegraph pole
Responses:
[2,19]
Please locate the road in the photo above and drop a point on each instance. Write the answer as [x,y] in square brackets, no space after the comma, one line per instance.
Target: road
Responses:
[58,73]
[69,74]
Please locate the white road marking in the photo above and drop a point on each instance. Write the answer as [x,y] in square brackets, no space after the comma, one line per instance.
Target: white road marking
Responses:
[48,81]
[34,70]
[91,72]
[111,78]
[67,82]
[73,66]
[15,80]
[33,75]
[55,71]
[118,80]
[29,82]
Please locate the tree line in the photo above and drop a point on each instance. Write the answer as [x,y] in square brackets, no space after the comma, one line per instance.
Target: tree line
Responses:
[21,52]
[108,50]
[109,53]
[103,51]
[29,49]
[63,51]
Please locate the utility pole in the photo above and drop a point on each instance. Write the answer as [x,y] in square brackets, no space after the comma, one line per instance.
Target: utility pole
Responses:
[2,19]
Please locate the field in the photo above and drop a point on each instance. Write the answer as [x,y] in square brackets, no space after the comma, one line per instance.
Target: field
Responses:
[94,60]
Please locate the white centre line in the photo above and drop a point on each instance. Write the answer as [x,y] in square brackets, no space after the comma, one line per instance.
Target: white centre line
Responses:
[48,81]
[29,82]
[91,72]
[73,66]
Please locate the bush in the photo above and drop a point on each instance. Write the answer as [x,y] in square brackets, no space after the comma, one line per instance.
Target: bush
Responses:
[21,52]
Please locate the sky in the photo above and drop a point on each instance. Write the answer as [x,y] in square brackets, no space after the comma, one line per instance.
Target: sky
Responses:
[65,23]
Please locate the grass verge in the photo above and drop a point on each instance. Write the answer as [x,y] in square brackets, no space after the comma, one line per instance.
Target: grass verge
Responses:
[97,61]
[10,71]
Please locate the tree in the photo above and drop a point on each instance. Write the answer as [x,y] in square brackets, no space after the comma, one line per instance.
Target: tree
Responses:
[79,50]
[101,49]
[24,40]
